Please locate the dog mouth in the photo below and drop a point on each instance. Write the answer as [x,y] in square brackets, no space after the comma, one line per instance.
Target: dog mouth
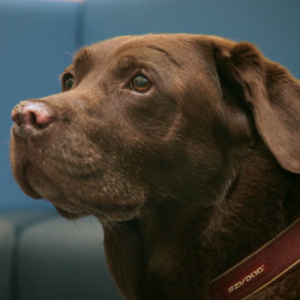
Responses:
[108,194]
[115,212]
[105,207]
[120,207]
[112,208]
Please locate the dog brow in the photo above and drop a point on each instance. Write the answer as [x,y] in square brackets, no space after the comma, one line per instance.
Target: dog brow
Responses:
[166,54]
[81,57]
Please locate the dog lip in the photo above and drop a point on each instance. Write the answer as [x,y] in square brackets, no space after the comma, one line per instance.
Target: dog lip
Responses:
[122,207]
[26,185]
[26,131]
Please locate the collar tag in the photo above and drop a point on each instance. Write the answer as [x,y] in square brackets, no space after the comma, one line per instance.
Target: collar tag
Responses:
[269,263]
[247,278]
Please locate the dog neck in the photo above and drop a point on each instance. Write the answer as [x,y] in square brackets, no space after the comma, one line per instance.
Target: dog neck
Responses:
[280,252]
[268,264]
[166,241]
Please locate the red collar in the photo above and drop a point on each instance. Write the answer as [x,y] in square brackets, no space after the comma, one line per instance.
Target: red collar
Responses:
[261,268]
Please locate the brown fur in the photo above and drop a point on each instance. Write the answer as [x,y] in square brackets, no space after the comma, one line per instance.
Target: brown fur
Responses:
[186,178]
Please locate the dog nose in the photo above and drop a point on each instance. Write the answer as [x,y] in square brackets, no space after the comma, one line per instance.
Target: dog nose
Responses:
[31,115]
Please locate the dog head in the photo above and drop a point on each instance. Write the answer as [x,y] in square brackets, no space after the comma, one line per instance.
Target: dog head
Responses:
[144,120]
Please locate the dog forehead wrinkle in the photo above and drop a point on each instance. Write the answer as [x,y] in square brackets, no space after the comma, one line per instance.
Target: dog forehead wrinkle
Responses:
[136,49]
[166,53]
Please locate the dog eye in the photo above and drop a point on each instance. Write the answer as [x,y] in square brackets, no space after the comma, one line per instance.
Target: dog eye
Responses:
[68,81]
[140,84]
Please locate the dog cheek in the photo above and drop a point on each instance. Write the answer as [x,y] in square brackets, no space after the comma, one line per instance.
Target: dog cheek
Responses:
[158,119]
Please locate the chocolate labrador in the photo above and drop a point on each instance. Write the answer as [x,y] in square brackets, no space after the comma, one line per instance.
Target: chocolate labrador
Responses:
[187,149]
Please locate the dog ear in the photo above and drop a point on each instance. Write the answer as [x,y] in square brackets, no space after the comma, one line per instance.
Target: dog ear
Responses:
[272,94]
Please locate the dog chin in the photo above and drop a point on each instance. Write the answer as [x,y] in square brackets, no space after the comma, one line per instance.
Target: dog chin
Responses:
[71,215]
[117,214]
[110,213]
